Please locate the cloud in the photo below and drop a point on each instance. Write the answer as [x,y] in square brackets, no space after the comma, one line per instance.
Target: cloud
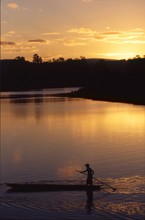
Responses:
[37,41]
[99,37]
[51,33]
[7,43]
[132,36]
[86,1]
[19,48]
[136,36]
[9,47]
[4,22]
[112,33]
[9,34]
[73,43]
[12,5]
[25,9]
[82,30]
[83,36]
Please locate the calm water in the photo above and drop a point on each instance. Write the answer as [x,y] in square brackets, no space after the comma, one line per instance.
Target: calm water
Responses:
[49,138]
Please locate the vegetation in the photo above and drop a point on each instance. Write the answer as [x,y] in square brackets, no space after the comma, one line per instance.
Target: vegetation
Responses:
[120,81]
[114,80]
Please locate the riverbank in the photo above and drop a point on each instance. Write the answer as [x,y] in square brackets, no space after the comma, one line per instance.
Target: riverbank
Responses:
[131,97]
[126,96]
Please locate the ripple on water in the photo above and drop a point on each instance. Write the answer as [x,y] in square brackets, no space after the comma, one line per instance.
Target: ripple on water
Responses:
[127,202]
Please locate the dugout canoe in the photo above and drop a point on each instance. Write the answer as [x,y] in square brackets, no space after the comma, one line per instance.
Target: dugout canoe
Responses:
[37,187]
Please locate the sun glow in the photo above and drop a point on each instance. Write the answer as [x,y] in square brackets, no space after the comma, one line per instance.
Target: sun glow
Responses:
[55,33]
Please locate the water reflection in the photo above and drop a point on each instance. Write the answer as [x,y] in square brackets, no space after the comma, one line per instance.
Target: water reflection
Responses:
[89,203]
[17,158]
[54,138]
[38,99]
[48,138]
[35,107]
[132,209]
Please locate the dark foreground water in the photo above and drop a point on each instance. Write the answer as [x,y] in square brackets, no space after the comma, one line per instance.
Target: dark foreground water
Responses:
[126,202]
[49,138]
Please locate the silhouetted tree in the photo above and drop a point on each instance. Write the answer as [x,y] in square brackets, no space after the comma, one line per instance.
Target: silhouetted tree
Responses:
[37,59]
[20,58]
[60,59]
[82,58]
[137,57]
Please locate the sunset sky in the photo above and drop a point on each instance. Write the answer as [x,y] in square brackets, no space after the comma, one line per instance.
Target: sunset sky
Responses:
[112,29]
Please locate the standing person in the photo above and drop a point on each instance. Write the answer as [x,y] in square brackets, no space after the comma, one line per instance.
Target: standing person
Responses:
[90,174]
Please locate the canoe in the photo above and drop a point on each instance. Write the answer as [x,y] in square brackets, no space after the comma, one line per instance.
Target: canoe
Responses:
[39,187]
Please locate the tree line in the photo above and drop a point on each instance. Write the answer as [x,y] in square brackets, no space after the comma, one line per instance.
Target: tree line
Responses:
[99,78]
[18,74]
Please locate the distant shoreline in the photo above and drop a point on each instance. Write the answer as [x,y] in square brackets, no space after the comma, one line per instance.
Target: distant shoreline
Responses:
[81,93]
[104,80]
[131,101]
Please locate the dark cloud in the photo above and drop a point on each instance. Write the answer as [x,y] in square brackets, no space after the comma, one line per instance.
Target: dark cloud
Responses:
[37,41]
[99,37]
[112,33]
[7,43]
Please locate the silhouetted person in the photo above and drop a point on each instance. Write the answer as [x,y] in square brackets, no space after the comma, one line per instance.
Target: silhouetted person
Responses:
[90,174]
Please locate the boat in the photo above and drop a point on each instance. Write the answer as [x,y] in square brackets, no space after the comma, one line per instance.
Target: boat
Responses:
[40,187]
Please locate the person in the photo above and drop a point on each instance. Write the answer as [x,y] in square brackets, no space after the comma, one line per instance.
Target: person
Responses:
[90,174]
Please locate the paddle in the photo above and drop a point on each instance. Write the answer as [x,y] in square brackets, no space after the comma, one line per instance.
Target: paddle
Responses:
[105,184]
[99,181]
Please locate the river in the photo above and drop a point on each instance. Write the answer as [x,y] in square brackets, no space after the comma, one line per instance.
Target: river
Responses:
[48,138]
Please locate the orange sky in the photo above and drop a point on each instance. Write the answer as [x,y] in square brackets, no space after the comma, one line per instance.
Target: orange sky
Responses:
[112,29]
